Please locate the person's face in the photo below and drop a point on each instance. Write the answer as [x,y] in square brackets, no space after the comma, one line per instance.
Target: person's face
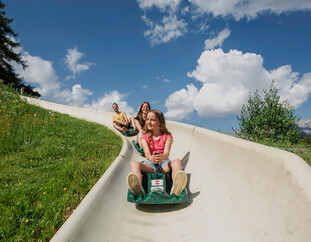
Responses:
[152,122]
[115,108]
[145,108]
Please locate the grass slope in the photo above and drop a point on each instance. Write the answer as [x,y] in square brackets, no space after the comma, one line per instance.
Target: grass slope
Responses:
[48,163]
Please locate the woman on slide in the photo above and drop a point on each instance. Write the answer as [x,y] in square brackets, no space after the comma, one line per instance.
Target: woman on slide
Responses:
[140,120]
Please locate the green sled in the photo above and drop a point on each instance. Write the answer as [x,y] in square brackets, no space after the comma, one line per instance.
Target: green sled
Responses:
[139,150]
[130,132]
[157,191]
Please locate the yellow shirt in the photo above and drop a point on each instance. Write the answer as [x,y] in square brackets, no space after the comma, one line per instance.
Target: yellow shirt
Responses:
[121,117]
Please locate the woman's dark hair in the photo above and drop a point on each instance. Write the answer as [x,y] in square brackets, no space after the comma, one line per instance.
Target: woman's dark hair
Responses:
[140,113]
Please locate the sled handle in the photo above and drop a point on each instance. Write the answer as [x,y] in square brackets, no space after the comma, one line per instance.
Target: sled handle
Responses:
[156,171]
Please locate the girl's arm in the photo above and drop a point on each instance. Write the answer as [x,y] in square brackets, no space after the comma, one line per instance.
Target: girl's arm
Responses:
[138,126]
[154,158]
[157,157]
[146,149]
[161,157]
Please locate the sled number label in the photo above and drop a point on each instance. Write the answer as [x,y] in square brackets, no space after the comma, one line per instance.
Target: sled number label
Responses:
[157,182]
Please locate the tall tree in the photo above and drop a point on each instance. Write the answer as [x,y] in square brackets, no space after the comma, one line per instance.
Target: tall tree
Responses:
[7,55]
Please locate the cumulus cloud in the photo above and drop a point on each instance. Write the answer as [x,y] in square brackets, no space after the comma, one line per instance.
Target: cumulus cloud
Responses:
[155,102]
[250,9]
[162,4]
[217,41]
[70,77]
[72,58]
[203,27]
[227,79]
[180,103]
[170,28]
[105,103]
[41,74]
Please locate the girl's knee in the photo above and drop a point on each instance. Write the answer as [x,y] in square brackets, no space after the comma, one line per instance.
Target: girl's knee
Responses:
[134,164]
[176,163]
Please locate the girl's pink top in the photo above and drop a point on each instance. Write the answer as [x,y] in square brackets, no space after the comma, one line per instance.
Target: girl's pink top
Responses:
[157,145]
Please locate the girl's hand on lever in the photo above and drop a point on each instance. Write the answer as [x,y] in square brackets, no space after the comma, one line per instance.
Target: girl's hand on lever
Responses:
[156,157]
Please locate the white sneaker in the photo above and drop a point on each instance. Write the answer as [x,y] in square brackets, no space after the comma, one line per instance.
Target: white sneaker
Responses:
[134,184]
[180,182]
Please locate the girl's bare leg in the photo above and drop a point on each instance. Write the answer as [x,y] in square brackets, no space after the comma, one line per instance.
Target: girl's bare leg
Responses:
[179,177]
[173,166]
[137,168]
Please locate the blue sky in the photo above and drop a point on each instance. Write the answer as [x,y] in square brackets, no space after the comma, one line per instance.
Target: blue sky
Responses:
[195,60]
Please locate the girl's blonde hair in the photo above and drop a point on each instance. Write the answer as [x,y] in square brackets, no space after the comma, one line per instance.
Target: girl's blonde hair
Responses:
[162,125]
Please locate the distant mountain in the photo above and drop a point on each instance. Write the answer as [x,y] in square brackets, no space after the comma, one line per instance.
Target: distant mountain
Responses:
[305,127]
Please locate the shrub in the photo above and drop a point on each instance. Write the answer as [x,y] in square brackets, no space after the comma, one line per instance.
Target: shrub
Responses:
[268,118]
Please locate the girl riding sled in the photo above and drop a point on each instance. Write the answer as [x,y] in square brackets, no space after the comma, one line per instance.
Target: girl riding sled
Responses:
[156,143]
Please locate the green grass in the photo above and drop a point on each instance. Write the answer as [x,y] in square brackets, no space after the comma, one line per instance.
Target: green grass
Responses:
[302,148]
[48,163]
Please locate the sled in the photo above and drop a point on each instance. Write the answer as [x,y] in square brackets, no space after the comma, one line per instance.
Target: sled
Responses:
[130,132]
[139,150]
[157,187]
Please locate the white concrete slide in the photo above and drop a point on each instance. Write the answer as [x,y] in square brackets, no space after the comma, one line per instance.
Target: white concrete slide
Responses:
[238,191]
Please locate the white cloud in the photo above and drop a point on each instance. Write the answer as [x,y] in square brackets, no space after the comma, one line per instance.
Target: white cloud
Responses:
[203,27]
[155,102]
[70,77]
[214,100]
[227,79]
[162,4]
[145,87]
[180,103]
[41,74]
[170,28]
[72,58]
[291,88]
[77,96]
[105,103]
[217,41]
[166,80]
[231,69]
[250,9]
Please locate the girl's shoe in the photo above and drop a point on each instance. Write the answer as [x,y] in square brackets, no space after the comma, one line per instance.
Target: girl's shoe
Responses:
[180,182]
[134,184]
